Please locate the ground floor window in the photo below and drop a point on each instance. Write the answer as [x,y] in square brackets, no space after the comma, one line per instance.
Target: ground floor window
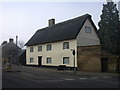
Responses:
[49,60]
[65,60]
[31,60]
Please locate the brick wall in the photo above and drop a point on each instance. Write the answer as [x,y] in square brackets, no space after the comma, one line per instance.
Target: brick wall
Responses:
[89,58]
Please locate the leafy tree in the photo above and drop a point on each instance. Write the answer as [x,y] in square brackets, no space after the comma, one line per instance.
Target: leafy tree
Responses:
[109,28]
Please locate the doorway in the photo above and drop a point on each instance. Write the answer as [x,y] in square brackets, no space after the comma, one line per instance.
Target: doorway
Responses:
[39,61]
[104,65]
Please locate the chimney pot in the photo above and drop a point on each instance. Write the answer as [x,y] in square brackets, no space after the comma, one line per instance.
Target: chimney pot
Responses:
[10,40]
[4,42]
[51,22]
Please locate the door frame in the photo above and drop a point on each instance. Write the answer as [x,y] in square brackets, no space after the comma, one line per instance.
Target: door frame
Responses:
[39,61]
[104,64]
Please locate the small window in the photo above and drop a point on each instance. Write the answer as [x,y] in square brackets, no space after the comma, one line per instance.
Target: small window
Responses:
[49,60]
[39,48]
[49,47]
[65,60]
[31,49]
[66,45]
[88,29]
[31,60]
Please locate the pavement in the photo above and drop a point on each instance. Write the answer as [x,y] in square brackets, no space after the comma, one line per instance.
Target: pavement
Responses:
[19,68]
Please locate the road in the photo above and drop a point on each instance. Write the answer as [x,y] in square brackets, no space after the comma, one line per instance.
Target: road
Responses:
[55,80]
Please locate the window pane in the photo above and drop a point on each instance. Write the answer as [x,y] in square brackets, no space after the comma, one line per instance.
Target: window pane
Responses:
[31,60]
[65,60]
[49,60]
[39,48]
[66,45]
[31,49]
[49,47]
[87,29]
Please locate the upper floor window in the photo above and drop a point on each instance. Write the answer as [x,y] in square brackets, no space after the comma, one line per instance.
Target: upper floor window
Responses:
[66,45]
[31,49]
[49,60]
[39,48]
[65,60]
[49,47]
[88,29]
[31,60]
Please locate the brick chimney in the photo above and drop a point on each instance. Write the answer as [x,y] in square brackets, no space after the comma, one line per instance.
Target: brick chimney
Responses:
[109,0]
[4,42]
[51,22]
[10,40]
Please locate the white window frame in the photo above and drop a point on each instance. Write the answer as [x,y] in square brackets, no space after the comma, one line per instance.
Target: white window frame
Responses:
[31,49]
[66,60]
[49,47]
[39,48]
[31,60]
[48,60]
[66,45]
[88,29]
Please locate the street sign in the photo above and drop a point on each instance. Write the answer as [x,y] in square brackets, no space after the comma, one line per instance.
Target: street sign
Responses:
[73,52]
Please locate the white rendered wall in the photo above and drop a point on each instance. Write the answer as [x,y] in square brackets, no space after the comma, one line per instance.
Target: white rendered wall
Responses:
[57,53]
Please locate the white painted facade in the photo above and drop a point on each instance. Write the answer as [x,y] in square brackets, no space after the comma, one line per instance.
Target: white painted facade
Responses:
[57,53]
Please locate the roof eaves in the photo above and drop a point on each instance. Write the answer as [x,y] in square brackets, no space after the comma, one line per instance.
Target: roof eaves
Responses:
[51,41]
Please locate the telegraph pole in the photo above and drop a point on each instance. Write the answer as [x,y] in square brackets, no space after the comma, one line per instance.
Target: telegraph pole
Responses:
[16,61]
[16,40]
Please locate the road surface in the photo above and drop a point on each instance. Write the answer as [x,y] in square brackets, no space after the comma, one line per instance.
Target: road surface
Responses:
[52,80]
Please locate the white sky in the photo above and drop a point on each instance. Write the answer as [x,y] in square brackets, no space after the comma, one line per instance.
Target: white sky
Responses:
[24,18]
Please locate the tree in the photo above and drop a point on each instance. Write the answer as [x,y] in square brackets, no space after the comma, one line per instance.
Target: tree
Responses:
[109,28]
[21,44]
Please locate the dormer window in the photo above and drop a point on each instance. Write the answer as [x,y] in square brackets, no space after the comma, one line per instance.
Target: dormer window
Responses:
[88,29]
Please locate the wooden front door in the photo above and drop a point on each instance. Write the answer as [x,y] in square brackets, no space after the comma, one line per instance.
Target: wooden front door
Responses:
[39,60]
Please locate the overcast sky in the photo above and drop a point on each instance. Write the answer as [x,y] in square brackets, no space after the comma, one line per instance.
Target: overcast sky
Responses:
[25,18]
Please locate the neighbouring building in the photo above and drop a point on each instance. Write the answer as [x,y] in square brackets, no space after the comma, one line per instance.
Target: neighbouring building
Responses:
[10,52]
[53,45]
[22,57]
